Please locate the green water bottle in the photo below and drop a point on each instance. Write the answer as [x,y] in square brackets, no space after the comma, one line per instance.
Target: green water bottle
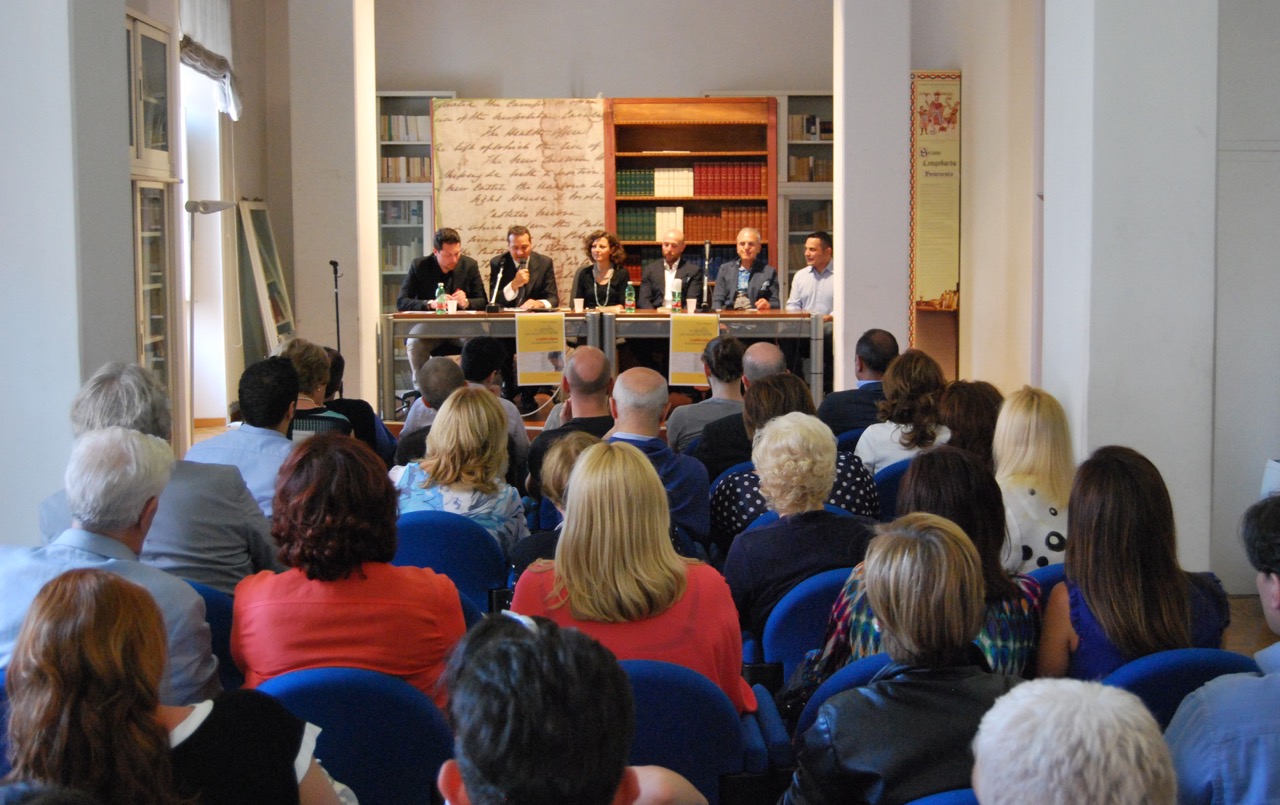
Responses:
[442,300]
[629,300]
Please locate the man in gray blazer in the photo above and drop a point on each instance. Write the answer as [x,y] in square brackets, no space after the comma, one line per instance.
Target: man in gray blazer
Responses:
[523,278]
[748,284]
[656,276]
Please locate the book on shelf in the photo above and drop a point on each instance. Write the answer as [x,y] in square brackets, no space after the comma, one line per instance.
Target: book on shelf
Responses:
[810,169]
[399,170]
[808,127]
[404,128]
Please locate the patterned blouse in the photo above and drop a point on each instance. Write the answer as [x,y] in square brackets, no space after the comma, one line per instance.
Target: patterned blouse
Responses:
[501,514]
[737,502]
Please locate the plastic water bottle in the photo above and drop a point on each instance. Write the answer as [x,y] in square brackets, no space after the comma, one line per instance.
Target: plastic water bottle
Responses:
[442,300]
[629,300]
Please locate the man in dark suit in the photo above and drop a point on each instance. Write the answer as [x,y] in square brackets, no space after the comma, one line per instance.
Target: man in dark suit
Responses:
[445,264]
[524,279]
[655,278]
[748,284]
[859,407]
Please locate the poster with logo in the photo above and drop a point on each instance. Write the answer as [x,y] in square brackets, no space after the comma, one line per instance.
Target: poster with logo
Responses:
[689,336]
[539,349]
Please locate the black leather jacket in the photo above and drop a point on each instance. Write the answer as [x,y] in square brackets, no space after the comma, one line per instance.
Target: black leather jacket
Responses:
[904,736]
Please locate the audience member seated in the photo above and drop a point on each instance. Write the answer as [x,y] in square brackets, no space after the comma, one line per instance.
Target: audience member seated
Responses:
[912,385]
[556,468]
[207,527]
[268,392]
[435,380]
[737,501]
[311,416]
[722,365]
[366,425]
[484,360]
[463,470]
[1063,742]
[86,711]
[906,735]
[544,714]
[950,483]
[587,379]
[113,482]
[1225,737]
[795,458]
[859,407]
[1125,595]
[29,793]
[638,403]
[724,442]
[341,603]
[969,409]
[617,577]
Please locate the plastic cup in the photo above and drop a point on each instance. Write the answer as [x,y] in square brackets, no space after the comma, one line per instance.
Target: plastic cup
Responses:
[452,306]
[693,305]
[579,305]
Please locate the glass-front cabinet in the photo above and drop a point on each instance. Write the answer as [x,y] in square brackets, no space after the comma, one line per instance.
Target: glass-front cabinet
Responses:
[152,250]
[403,234]
[149,90]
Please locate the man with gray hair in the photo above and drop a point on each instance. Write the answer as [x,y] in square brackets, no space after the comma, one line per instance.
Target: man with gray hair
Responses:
[725,442]
[113,483]
[208,527]
[638,403]
[587,380]
[1063,741]
[435,380]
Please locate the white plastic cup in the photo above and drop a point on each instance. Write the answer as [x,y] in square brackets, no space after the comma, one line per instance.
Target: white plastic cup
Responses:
[579,305]
[451,306]
[693,305]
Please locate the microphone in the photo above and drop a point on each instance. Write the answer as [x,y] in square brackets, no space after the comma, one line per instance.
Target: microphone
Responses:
[495,278]
[706,273]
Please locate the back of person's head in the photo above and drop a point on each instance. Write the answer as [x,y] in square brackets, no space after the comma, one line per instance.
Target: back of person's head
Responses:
[559,461]
[795,457]
[467,444]
[614,559]
[924,582]
[541,715]
[641,393]
[762,359]
[311,361]
[122,395]
[588,372]
[337,368]
[1260,530]
[1032,444]
[955,484]
[112,474]
[1122,552]
[772,396]
[437,379]
[335,507]
[877,349]
[267,389]
[481,357]
[1063,741]
[723,358]
[83,686]
[913,383]
[969,409]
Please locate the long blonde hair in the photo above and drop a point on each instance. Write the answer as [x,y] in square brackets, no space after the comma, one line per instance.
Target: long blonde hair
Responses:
[615,562]
[467,444]
[1032,444]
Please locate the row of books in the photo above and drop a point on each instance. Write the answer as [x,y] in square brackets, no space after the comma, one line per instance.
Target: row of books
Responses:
[399,213]
[404,128]
[810,169]
[808,127]
[397,170]
[730,178]
[399,256]
[724,224]
[819,218]
[659,182]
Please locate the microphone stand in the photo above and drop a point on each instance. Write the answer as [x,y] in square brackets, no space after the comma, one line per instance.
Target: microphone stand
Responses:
[337,315]
[706,275]
[495,279]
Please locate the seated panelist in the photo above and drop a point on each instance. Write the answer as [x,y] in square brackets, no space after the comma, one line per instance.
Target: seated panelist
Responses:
[603,281]
[522,278]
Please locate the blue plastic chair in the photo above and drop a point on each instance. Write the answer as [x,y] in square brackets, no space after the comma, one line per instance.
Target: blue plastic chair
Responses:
[381,736]
[1049,577]
[964,796]
[1162,680]
[887,482]
[687,724]
[848,441]
[799,621]
[740,467]
[771,516]
[217,612]
[456,547]
[854,675]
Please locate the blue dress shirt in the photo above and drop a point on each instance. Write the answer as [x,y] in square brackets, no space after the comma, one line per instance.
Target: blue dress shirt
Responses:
[256,452]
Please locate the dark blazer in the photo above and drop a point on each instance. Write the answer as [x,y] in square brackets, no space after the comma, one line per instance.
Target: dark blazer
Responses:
[419,286]
[849,410]
[763,283]
[542,279]
[653,283]
[585,288]
[724,443]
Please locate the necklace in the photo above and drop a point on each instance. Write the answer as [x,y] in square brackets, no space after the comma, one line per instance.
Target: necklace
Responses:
[607,285]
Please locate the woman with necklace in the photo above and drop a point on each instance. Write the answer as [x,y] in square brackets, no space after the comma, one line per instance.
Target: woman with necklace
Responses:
[603,281]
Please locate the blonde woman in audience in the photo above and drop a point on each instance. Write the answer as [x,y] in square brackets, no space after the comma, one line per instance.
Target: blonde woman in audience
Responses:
[913,384]
[85,711]
[1034,466]
[1125,596]
[906,735]
[463,470]
[556,467]
[617,577]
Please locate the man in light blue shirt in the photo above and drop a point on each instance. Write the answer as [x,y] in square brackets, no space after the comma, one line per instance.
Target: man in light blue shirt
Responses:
[268,393]
[1225,737]
[813,288]
[113,485]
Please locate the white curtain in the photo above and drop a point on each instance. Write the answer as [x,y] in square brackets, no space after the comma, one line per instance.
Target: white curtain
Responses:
[206,47]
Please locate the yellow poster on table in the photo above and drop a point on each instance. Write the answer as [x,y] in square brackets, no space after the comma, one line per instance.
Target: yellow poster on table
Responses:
[689,336]
[539,349]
